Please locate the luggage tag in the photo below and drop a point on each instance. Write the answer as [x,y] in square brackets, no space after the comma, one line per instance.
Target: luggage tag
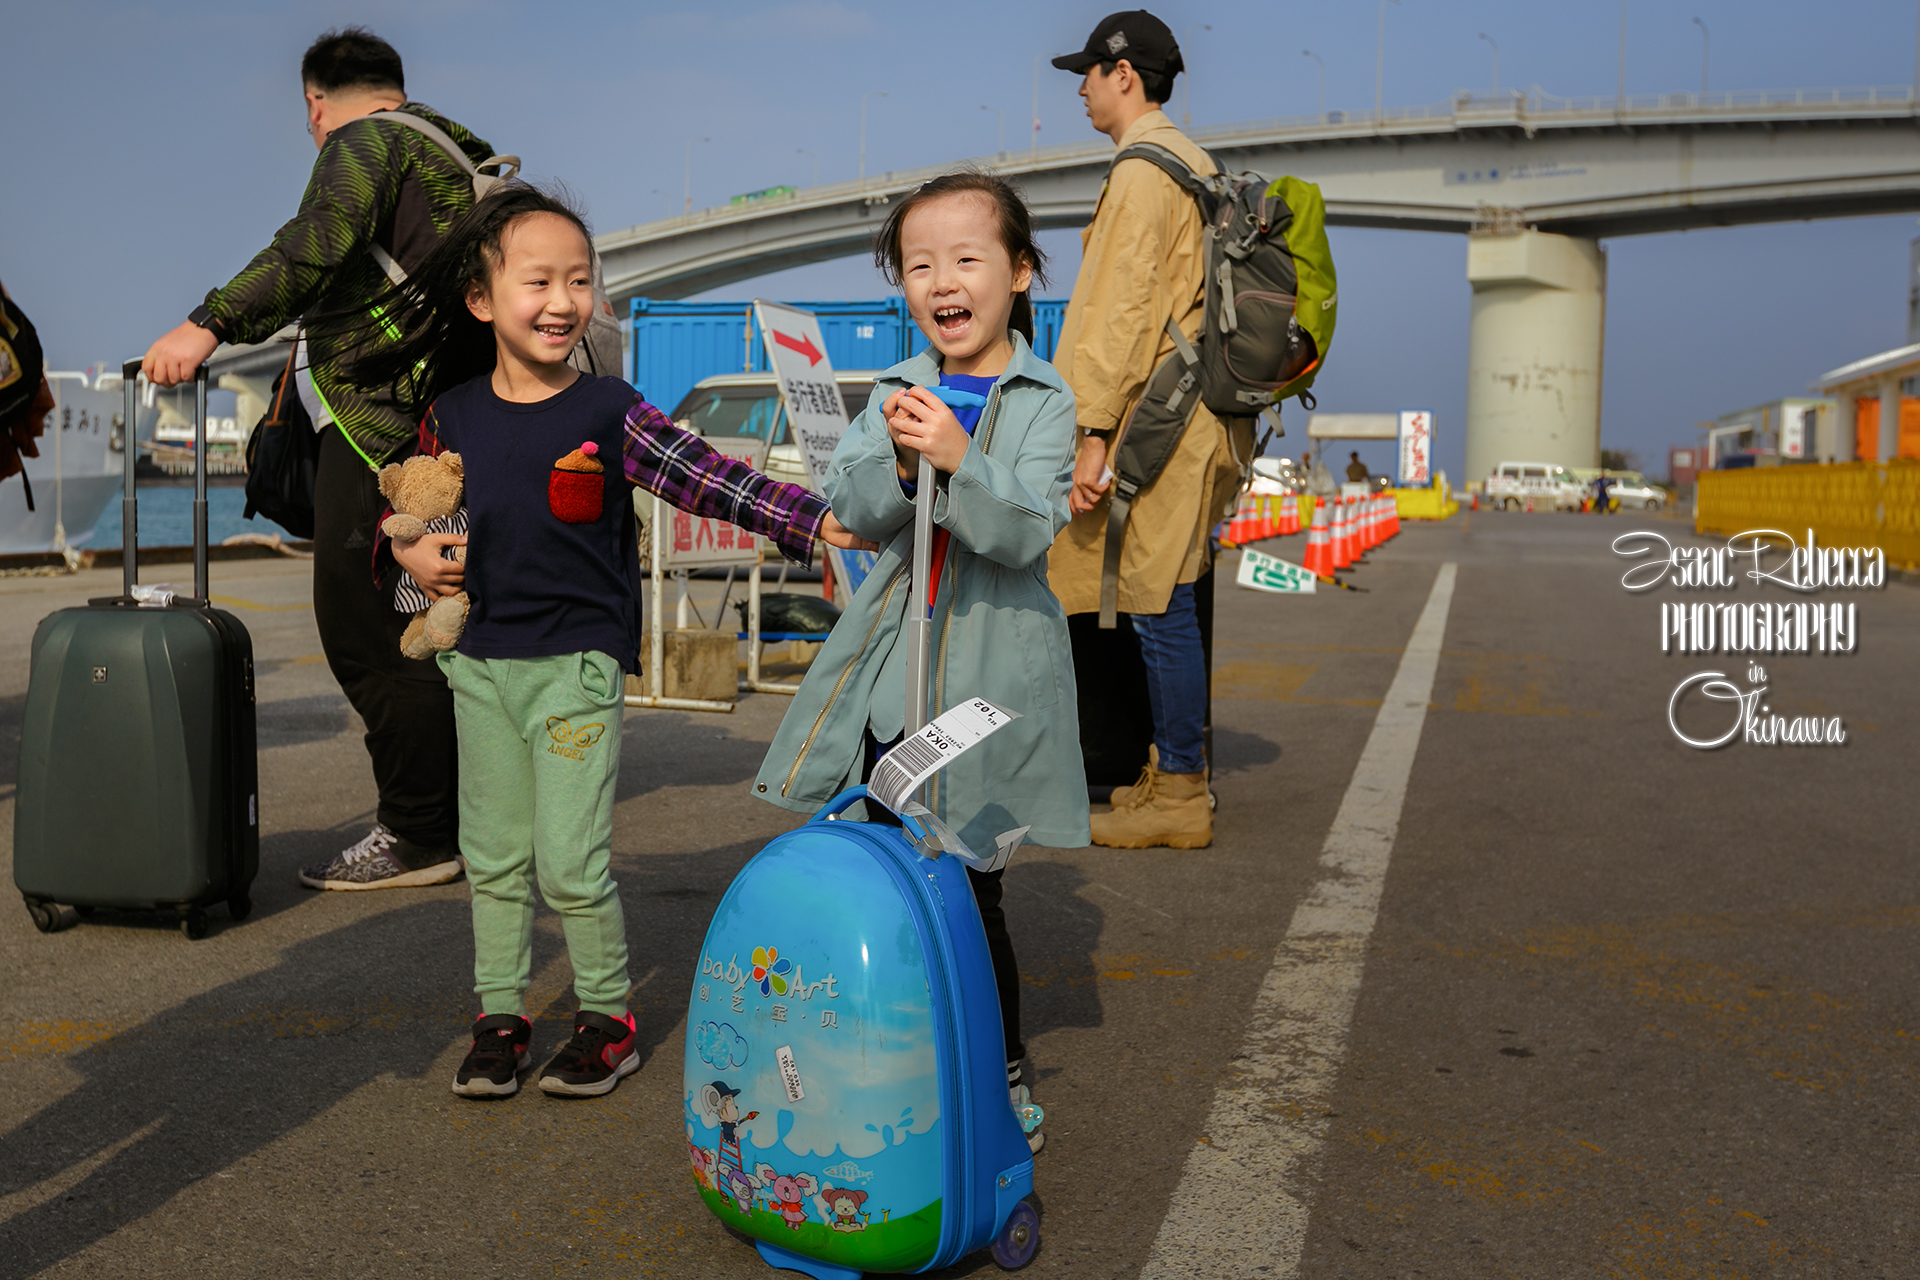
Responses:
[939,838]
[900,772]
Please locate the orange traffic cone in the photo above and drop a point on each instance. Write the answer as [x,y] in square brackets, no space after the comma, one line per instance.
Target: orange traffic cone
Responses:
[1342,534]
[1318,558]
[1369,523]
[1393,517]
[1289,518]
[1234,531]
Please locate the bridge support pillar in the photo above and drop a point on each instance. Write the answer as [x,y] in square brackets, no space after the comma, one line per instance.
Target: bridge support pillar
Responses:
[1534,350]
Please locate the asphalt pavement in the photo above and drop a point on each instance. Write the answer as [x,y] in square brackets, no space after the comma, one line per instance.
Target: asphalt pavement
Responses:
[1615,1007]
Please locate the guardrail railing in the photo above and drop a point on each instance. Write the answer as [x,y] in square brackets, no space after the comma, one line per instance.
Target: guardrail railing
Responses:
[1531,108]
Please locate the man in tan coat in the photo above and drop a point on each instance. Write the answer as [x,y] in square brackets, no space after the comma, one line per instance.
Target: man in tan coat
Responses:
[1142,263]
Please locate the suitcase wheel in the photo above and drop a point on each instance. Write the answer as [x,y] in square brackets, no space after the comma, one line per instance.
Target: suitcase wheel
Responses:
[239,906]
[1019,1240]
[47,918]
[194,924]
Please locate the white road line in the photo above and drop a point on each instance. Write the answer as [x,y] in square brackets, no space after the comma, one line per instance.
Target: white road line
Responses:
[1240,1211]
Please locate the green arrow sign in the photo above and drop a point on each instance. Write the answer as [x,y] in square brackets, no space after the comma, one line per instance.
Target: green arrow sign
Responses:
[1268,573]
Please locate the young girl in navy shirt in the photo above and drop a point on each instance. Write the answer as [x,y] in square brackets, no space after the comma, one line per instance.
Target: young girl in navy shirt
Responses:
[547,455]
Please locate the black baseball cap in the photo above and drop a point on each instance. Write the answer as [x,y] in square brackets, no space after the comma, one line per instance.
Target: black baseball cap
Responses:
[1134,35]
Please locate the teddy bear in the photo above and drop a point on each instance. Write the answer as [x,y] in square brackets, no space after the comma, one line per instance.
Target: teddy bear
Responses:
[425,493]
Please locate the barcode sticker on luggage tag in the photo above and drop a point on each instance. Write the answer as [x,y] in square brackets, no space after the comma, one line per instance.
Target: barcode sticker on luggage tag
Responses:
[932,749]
[789,1073]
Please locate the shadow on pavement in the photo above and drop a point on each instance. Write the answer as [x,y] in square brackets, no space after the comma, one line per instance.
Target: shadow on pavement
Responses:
[1237,752]
[13,716]
[294,722]
[691,750]
[1055,933]
[209,1082]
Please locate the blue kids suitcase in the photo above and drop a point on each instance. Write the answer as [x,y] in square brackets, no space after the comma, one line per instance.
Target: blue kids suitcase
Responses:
[846,1091]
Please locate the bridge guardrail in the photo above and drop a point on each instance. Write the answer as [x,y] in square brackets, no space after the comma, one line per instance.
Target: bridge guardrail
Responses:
[1854,504]
[1529,108]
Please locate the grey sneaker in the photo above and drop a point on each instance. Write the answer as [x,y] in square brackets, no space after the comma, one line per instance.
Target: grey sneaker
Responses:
[375,863]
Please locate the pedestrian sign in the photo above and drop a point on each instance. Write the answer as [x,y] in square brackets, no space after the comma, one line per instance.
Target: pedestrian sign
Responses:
[816,415]
[1269,573]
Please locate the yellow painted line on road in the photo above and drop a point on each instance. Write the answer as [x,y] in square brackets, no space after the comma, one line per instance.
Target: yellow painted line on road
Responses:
[33,1039]
[235,602]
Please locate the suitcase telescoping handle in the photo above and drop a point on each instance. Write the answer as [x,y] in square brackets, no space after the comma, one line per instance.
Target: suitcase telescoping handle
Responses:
[129,507]
[920,602]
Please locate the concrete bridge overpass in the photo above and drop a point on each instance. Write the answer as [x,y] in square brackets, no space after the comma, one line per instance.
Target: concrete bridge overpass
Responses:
[1535,181]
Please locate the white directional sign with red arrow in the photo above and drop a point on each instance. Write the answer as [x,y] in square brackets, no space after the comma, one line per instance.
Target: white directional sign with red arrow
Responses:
[816,415]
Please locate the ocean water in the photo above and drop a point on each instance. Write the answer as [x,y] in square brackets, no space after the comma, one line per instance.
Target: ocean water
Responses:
[166,517]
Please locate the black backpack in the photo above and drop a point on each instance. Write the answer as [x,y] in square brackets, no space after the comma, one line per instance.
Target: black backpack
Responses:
[22,366]
[1270,304]
[283,457]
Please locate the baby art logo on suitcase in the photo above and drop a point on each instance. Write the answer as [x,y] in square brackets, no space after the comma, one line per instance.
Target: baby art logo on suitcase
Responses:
[812,1106]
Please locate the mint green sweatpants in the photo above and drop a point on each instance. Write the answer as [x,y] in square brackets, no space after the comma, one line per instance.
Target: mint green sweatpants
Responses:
[539,759]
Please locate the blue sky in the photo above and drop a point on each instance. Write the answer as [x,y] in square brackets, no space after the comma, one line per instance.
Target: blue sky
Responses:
[154,148]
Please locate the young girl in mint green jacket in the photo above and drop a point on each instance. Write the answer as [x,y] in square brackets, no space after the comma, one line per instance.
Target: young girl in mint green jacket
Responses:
[997,424]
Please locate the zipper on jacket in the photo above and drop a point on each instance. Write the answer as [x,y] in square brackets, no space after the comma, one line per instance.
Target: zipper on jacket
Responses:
[841,683]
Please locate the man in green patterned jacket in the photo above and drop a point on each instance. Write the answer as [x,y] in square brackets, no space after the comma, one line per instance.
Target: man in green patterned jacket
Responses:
[377,183]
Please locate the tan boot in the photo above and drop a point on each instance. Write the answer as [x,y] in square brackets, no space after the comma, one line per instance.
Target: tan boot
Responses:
[1124,797]
[1174,815]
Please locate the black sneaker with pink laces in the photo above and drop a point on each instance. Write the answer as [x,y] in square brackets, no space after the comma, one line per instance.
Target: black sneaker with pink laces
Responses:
[591,1064]
[502,1050]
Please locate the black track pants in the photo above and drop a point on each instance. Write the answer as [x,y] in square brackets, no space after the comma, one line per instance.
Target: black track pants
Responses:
[405,703]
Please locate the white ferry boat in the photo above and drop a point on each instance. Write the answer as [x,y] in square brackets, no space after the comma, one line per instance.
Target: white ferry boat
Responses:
[78,471]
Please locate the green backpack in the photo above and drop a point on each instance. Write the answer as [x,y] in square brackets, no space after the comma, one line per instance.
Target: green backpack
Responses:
[1270,305]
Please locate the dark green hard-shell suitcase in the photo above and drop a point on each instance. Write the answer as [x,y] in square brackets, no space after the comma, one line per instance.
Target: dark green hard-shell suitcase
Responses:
[138,779]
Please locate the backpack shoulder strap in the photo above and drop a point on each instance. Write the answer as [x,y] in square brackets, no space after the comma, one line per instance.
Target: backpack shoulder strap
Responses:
[508,165]
[1174,167]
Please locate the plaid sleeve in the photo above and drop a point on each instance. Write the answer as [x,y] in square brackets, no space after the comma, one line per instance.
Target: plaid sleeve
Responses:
[681,468]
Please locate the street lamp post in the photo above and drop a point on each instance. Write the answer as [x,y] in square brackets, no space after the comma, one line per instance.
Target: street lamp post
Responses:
[1003,128]
[687,193]
[1620,98]
[1380,61]
[1035,150]
[871,93]
[1496,63]
[1308,53]
[1706,45]
[1186,85]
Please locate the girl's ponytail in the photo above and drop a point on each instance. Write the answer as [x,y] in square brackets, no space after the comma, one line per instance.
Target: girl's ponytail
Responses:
[1013,222]
[1021,320]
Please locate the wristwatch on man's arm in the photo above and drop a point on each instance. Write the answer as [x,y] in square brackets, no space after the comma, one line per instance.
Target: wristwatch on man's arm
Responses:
[203,316]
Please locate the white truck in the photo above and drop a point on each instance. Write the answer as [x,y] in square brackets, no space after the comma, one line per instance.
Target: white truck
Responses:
[1551,487]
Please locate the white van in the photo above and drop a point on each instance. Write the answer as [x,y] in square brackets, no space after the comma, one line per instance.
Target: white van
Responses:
[1552,488]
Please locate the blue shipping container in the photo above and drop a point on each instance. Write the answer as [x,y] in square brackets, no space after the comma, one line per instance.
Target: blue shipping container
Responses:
[676,344]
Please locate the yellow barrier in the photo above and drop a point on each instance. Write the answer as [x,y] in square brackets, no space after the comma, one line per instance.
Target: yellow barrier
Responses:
[1424,504]
[1846,504]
